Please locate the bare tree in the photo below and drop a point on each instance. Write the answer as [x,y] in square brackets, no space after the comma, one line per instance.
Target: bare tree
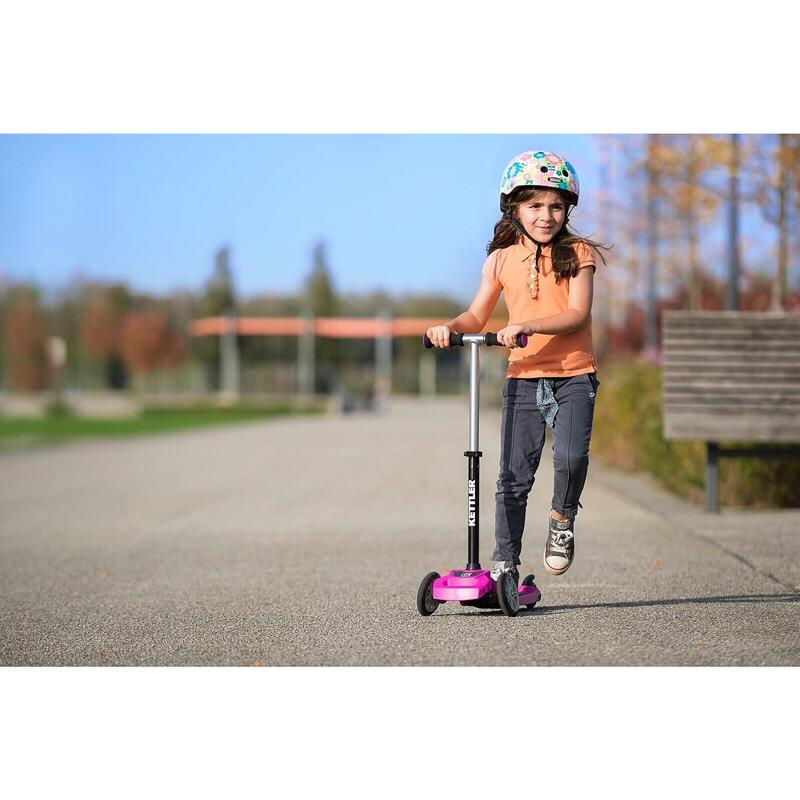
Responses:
[775,184]
[686,162]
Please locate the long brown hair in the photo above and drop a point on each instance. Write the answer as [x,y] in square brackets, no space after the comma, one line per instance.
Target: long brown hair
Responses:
[565,260]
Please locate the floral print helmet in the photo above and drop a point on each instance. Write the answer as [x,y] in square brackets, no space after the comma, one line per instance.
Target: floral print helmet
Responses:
[539,168]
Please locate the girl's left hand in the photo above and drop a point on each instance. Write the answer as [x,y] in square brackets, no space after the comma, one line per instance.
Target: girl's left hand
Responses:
[508,335]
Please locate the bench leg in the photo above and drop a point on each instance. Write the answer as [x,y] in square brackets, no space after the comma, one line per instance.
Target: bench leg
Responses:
[712,476]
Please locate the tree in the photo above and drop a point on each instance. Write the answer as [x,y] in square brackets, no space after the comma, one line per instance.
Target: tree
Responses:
[773,189]
[623,222]
[148,343]
[320,295]
[25,334]
[685,163]
[220,296]
[104,310]
[219,299]
[640,221]
[321,301]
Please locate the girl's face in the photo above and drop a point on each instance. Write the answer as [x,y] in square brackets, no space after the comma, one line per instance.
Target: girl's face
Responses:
[542,216]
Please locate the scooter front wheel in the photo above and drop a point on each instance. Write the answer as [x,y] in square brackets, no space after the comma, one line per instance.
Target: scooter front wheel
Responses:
[508,594]
[426,603]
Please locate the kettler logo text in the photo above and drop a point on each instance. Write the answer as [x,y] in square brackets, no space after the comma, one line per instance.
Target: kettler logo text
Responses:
[471,495]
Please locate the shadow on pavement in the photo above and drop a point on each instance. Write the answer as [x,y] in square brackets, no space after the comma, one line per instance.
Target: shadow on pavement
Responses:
[782,597]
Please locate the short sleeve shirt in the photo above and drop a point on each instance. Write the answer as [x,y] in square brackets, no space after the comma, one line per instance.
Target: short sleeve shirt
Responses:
[558,355]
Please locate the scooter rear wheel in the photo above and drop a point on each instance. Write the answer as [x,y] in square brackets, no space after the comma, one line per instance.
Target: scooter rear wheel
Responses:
[508,594]
[426,604]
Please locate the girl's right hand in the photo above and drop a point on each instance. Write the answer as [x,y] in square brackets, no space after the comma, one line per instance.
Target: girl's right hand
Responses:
[440,335]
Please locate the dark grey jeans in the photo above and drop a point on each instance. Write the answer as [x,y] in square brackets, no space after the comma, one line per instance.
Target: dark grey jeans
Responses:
[522,440]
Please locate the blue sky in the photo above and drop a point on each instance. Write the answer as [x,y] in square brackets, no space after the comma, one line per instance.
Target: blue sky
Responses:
[405,213]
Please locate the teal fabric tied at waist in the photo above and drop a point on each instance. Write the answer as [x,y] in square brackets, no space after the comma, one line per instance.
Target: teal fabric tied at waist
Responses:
[545,400]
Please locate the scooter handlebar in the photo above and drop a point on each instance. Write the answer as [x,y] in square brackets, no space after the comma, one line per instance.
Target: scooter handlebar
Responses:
[490,339]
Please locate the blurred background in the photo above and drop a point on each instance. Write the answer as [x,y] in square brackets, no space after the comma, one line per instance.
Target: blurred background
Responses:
[158,281]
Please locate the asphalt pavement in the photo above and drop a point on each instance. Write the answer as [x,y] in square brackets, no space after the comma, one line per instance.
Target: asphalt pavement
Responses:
[301,541]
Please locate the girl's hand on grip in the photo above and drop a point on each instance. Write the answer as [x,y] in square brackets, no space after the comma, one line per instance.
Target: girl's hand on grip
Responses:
[508,335]
[440,335]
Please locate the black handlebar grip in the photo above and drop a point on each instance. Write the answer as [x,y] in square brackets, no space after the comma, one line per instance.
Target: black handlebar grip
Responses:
[522,340]
[456,340]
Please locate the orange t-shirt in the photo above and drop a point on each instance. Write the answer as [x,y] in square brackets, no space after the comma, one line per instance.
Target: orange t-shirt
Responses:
[557,355]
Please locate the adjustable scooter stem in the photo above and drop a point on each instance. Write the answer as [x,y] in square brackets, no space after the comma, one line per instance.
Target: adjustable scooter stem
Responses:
[474,340]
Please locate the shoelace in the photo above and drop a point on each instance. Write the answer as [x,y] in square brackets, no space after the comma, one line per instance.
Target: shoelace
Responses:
[561,539]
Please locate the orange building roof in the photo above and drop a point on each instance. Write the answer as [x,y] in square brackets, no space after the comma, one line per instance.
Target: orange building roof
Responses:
[329,327]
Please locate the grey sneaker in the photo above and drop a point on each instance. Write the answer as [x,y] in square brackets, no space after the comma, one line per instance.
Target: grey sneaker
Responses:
[505,566]
[559,550]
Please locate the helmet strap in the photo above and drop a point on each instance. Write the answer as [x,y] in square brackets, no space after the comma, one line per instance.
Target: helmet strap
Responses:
[521,229]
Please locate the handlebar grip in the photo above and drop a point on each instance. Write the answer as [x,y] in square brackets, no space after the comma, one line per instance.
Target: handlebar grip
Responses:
[522,340]
[456,340]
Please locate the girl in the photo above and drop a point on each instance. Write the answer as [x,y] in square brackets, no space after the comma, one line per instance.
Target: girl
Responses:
[542,267]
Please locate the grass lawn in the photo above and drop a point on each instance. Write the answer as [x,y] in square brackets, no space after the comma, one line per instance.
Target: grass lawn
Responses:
[21,431]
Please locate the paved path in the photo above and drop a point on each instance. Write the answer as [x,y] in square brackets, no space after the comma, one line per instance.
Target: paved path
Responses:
[302,541]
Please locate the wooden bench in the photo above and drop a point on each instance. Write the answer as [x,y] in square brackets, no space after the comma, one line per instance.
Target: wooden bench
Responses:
[731,376]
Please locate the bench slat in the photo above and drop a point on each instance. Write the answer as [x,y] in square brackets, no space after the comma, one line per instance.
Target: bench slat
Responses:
[705,428]
[732,318]
[790,411]
[726,346]
[761,361]
[732,398]
[732,329]
[782,384]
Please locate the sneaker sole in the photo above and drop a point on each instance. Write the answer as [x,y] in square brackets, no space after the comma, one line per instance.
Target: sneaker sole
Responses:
[550,569]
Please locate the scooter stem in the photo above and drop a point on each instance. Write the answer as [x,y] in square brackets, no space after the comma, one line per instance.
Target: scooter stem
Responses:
[474,393]
[474,455]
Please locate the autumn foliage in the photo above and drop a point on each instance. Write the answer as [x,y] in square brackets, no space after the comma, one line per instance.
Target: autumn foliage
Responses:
[147,343]
[100,326]
[626,336]
[25,334]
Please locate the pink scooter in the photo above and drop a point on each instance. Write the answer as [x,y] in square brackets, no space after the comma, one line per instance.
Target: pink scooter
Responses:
[473,586]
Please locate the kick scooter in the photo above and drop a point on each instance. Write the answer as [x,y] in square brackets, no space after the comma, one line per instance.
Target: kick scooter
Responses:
[473,586]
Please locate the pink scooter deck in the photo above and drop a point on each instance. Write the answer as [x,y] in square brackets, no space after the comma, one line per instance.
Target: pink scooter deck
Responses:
[465,586]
